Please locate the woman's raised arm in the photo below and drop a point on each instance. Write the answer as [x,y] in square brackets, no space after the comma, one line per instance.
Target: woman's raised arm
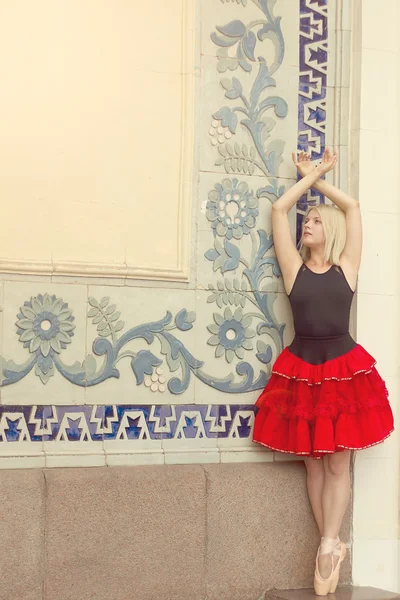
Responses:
[288,257]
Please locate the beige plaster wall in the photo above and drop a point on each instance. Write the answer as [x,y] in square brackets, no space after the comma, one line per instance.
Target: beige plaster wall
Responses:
[375,177]
[97,136]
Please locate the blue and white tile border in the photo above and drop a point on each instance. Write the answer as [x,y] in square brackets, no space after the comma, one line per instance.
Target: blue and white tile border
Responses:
[54,436]
[312,99]
[98,435]
[98,423]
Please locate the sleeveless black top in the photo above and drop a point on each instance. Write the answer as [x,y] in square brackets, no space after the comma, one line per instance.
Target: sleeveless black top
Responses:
[321,312]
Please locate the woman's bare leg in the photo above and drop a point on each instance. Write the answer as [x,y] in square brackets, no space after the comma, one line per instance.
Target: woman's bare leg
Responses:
[335,499]
[315,484]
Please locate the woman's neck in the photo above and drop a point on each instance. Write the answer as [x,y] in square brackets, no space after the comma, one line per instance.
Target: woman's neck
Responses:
[317,258]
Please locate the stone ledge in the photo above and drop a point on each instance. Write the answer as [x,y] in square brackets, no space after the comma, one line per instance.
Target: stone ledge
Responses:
[342,593]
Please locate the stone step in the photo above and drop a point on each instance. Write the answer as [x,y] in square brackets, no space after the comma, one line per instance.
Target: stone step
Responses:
[342,593]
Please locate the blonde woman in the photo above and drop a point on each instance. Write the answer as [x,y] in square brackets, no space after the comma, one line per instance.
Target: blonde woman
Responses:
[325,397]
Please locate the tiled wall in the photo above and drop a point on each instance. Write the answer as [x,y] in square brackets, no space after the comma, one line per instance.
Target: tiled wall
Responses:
[115,370]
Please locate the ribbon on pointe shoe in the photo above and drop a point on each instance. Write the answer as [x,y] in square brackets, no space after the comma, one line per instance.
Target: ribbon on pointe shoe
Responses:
[330,545]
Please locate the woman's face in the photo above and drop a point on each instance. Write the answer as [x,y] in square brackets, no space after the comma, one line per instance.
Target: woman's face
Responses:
[313,232]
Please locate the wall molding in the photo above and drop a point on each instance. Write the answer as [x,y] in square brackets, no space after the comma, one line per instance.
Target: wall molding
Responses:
[108,270]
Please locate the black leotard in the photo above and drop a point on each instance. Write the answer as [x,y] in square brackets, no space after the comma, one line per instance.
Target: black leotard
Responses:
[321,312]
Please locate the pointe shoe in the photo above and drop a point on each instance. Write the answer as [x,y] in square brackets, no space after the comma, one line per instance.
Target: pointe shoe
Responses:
[323,587]
[341,552]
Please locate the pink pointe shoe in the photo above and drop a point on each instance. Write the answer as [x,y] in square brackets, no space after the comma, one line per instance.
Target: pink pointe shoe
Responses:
[335,547]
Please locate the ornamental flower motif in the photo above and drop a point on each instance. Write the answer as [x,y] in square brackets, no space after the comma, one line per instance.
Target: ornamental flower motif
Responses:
[226,62]
[218,133]
[45,326]
[232,209]
[231,334]
[156,381]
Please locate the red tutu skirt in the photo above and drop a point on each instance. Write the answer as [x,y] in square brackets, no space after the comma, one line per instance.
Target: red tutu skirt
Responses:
[313,410]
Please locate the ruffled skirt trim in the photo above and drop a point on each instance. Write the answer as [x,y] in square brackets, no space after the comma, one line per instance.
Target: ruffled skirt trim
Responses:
[313,410]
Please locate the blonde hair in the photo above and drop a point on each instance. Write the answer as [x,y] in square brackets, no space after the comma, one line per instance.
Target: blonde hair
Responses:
[334,225]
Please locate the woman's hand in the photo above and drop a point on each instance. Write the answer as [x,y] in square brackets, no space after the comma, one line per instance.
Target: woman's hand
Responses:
[302,163]
[328,162]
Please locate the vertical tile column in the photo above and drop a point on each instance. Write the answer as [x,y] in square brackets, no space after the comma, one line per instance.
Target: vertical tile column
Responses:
[375,160]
